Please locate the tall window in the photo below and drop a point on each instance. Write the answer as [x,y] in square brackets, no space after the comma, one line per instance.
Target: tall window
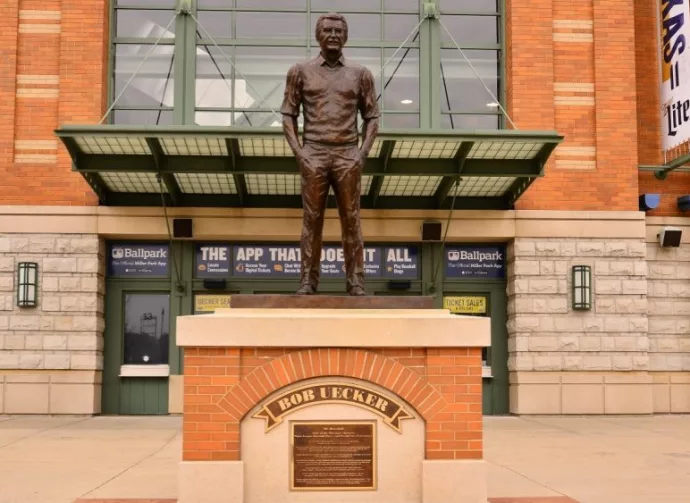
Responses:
[148,99]
[475,26]
[244,49]
[263,38]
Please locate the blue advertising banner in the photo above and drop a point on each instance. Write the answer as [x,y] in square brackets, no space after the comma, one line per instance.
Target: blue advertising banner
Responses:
[285,261]
[333,262]
[475,261]
[212,260]
[138,259]
[272,261]
[401,262]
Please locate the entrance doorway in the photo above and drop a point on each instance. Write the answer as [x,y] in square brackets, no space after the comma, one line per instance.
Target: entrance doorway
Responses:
[487,300]
[137,348]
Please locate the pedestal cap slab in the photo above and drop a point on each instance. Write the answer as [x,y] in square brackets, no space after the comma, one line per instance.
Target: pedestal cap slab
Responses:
[389,328]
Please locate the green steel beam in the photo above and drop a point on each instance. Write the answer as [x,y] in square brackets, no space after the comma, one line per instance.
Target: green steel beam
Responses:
[160,162]
[232,200]
[282,165]
[219,132]
[518,188]
[99,187]
[233,147]
[377,182]
[544,155]
[449,181]
[661,172]
[73,149]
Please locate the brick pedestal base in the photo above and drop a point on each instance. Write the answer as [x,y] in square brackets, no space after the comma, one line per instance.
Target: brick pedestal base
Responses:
[236,360]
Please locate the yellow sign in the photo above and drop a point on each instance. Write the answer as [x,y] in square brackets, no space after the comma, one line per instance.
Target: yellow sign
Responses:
[465,305]
[209,303]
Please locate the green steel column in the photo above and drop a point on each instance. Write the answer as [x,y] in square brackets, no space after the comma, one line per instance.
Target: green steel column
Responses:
[185,63]
[430,66]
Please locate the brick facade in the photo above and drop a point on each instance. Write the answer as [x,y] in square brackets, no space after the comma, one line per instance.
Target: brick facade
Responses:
[53,70]
[223,385]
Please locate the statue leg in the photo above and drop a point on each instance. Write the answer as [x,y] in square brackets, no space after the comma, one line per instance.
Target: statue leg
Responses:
[315,186]
[347,182]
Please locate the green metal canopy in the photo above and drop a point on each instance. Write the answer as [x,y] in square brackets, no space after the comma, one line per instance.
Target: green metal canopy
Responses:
[249,167]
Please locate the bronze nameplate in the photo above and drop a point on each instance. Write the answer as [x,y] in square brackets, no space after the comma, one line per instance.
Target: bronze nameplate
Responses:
[286,403]
[333,456]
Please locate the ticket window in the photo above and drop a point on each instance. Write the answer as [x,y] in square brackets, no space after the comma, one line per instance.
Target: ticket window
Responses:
[472,305]
[208,303]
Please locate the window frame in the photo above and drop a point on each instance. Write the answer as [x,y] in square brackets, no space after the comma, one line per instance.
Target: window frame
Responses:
[429,45]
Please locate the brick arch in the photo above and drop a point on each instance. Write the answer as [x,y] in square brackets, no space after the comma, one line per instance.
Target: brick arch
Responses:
[355,363]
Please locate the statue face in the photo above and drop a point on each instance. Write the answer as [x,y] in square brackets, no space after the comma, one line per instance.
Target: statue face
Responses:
[332,35]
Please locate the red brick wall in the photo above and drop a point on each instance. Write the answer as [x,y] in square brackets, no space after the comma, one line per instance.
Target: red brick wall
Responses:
[9,20]
[53,71]
[222,385]
[555,82]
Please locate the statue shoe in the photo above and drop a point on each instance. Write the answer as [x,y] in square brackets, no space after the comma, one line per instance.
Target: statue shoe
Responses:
[306,290]
[357,291]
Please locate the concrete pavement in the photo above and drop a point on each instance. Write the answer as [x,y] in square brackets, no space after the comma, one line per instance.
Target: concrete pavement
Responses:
[588,459]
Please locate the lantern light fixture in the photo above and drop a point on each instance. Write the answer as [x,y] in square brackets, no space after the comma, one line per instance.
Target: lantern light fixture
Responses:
[582,287]
[27,284]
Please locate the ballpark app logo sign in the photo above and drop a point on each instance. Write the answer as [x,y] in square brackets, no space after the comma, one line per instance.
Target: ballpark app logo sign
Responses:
[138,260]
[675,72]
[475,262]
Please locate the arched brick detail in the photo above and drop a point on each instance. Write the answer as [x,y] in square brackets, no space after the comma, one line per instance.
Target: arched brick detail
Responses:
[356,363]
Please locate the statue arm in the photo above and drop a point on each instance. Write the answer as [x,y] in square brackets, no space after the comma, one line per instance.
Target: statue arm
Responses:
[290,110]
[370,112]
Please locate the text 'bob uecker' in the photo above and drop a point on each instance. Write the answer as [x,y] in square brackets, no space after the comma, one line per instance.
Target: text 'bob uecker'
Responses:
[390,409]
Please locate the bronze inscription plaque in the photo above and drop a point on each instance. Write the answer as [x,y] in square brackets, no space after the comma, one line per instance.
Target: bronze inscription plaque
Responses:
[333,456]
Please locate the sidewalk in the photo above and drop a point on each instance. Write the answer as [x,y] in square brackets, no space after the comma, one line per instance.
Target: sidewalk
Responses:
[560,459]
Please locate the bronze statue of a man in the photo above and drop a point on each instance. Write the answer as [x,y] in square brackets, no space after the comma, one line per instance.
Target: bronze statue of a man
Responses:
[331,90]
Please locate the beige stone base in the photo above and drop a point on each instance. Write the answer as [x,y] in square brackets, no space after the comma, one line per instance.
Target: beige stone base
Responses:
[671,392]
[50,392]
[175,394]
[457,480]
[599,392]
[210,482]
[581,393]
[223,482]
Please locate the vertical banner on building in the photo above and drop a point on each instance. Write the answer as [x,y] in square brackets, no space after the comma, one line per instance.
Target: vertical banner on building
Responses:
[674,17]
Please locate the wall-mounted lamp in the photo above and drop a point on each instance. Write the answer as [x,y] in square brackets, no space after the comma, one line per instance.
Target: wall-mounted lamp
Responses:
[670,237]
[582,287]
[683,203]
[27,284]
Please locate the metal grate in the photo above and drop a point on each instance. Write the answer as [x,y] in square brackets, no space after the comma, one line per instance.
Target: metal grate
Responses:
[146,183]
[206,183]
[504,150]
[419,149]
[273,185]
[125,145]
[484,186]
[410,185]
[287,185]
[264,147]
[194,146]
[375,149]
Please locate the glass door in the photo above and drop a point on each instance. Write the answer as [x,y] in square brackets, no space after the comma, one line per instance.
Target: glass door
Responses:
[138,349]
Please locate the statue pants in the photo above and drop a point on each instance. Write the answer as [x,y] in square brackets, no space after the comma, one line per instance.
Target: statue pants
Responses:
[340,167]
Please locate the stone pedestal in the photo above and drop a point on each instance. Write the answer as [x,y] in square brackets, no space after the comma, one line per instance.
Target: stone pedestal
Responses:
[277,400]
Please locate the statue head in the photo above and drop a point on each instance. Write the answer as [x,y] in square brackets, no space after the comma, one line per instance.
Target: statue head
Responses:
[331,32]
